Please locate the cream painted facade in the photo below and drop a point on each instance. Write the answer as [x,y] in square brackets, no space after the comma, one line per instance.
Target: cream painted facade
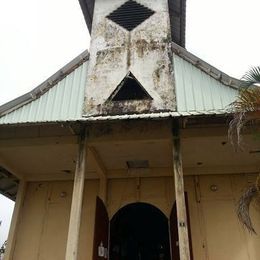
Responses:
[216,233]
[141,122]
[45,159]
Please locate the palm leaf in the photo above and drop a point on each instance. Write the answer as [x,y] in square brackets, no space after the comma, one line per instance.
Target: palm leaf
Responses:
[248,100]
[246,108]
[243,208]
[252,77]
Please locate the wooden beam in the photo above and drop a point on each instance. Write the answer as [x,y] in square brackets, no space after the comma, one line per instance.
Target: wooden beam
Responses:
[12,169]
[103,189]
[37,141]
[180,197]
[15,220]
[156,172]
[222,169]
[204,132]
[102,172]
[101,169]
[131,131]
[76,205]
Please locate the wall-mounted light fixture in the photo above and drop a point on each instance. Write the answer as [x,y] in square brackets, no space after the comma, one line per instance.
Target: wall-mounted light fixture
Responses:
[214,187]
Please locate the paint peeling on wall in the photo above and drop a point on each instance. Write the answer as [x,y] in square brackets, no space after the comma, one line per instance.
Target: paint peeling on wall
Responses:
[144,51]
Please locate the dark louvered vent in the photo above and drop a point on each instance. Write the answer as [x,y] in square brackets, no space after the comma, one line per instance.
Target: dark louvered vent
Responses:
[130,89]
[130,15]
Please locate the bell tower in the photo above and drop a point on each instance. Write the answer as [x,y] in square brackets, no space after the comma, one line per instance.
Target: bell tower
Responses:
[130,67]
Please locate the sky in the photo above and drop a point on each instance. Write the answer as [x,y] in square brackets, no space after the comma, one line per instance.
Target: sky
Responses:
[38,37]
[6,210]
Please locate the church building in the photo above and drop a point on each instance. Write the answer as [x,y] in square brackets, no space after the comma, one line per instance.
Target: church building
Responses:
[123,154]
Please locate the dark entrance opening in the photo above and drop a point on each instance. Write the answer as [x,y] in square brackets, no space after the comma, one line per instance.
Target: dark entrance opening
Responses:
[139,231]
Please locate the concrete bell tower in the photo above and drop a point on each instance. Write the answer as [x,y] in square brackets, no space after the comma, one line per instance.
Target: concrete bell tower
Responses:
[130,67]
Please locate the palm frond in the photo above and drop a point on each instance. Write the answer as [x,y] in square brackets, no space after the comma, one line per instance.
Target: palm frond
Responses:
[249,196]
[252,77]
[234,130]
[244,207]
[248,100]
[246,108]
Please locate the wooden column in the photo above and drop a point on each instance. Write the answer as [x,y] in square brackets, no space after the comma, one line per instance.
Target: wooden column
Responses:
[180,196]
[15,220]
[102,172]
[103,189]
[76,205]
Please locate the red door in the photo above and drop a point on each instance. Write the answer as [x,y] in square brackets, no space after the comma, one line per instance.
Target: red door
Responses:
[101,231]
[174,231]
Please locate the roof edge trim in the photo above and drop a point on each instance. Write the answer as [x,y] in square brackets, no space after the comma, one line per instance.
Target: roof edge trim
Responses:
[207,68]
[87,8]
[156,115]
[45,86]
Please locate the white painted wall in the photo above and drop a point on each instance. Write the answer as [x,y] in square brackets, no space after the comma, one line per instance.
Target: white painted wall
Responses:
[144,51]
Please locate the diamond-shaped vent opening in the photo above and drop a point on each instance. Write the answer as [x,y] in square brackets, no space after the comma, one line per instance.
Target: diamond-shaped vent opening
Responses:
[130,15]
[129,89]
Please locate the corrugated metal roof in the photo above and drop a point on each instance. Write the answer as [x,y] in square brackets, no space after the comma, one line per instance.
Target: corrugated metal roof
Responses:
[198,91]
[61,102]
[45,86]
[205,67]
[154,115]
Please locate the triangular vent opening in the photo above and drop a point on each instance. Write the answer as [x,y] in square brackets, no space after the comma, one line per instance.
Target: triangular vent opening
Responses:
[130,89]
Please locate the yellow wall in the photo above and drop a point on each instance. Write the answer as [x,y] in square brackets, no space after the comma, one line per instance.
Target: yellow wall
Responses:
[216,233]
[156,191]
[43,224]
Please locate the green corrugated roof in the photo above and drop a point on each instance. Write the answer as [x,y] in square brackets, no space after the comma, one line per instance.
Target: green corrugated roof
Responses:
[60,98]
[197,91]
[200,90]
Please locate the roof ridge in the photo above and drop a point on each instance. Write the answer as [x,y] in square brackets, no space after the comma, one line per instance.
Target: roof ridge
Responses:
[44,86]
[206,67]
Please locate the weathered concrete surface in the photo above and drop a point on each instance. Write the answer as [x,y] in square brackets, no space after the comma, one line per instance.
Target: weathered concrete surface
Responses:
[144,51]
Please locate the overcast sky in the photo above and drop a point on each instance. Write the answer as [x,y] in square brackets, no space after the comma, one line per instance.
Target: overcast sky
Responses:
[38,37]
[6,210]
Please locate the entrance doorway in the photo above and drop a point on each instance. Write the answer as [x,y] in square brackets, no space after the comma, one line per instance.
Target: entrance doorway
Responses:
[139,231]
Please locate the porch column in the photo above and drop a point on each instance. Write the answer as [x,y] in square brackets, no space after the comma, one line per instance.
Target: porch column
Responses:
[76,205]
[15,220]
[180,196]
[102,172]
